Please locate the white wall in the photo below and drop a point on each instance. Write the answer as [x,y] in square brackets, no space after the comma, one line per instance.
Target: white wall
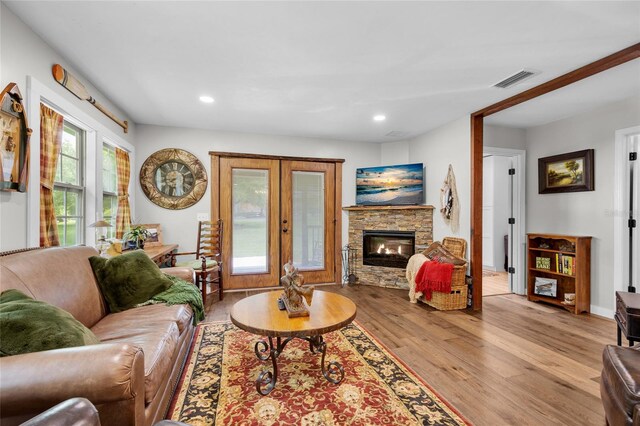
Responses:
[392,153]
[504,137]
[582,213]
[180,226]
[22,54]
[448,144]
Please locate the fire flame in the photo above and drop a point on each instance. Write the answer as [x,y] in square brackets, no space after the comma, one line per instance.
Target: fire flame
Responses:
[388,251]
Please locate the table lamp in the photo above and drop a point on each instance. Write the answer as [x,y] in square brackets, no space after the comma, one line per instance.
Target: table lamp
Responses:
[101,244]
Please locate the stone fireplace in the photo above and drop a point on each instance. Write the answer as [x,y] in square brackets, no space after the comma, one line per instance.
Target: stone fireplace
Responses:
[407,228]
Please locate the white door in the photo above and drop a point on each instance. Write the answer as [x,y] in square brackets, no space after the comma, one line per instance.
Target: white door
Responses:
[488,195]
[633,201]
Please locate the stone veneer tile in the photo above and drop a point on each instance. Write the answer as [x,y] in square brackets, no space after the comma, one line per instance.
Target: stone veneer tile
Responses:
[418,219]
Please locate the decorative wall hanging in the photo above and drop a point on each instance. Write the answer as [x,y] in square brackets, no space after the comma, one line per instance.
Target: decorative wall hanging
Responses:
[571,172]
[173,178]
[14,141]
[449,202]
[73,85]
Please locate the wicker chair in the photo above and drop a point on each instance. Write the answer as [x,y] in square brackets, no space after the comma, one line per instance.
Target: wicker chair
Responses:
[208,255]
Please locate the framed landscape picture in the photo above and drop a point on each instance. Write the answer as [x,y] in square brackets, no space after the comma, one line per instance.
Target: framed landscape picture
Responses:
[571,172]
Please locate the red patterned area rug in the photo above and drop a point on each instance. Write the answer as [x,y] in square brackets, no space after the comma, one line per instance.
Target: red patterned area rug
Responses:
[218,386]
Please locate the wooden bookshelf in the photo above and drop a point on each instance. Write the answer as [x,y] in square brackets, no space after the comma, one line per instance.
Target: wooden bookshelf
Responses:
[569,263]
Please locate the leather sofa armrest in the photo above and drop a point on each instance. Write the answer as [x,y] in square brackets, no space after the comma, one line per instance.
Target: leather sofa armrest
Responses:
[103,373]
[75,411]
[180,272]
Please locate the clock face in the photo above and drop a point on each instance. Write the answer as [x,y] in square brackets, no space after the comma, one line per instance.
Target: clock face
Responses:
[174,178]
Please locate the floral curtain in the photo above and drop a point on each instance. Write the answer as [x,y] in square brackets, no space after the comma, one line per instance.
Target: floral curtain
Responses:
[123,217]
[51,126]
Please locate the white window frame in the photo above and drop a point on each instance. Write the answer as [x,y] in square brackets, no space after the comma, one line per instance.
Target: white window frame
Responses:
[96,134]
[111,232]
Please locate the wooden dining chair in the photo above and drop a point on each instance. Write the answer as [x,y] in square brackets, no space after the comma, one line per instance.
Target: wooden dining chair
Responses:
[208,259]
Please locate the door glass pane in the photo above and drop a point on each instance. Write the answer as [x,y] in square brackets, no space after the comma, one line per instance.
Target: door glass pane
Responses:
[308,220]
[250,220]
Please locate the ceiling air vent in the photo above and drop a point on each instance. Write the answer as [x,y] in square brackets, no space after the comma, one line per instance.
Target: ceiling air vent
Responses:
[397,134]
[516,78]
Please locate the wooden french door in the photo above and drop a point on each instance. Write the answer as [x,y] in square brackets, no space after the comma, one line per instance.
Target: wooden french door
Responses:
[307,218]
[250,212]
[276,210]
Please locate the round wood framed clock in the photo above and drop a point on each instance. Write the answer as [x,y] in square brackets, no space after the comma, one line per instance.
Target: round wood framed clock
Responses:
[173,178]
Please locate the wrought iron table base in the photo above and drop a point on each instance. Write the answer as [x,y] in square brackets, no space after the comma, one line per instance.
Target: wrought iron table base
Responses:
[266,381]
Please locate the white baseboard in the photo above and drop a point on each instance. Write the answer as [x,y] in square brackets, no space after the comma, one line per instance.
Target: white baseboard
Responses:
[597,310]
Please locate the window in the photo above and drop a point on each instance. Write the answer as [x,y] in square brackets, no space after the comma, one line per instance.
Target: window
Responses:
[109,189]
[68,188]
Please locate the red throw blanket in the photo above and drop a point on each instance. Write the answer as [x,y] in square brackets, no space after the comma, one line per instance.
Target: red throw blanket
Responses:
[434,276]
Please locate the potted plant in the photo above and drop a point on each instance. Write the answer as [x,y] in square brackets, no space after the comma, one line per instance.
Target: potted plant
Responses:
[135,237]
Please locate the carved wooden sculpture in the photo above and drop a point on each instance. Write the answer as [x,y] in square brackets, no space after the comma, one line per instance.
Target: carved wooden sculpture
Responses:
[293,294]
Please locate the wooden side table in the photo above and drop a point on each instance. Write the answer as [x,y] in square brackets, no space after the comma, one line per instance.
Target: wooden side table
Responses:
[628,316]
[160,254]
[259,314]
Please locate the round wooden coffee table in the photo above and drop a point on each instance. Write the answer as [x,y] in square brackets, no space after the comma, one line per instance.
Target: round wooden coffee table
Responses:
[259,314]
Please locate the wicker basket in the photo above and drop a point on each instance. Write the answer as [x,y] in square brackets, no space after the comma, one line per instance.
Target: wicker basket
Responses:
[457,299]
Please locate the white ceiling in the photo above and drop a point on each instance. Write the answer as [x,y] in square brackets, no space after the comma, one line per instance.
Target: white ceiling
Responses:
[323,69]
[612,85]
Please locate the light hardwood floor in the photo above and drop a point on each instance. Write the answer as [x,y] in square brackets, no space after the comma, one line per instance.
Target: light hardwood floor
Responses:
[515,363]
[495,283]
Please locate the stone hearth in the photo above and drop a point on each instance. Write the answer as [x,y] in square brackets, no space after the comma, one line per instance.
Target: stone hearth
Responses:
[388,218]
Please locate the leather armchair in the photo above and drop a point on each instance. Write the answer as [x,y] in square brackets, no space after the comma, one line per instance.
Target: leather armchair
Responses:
[72,412]
[620,385]
[77,412]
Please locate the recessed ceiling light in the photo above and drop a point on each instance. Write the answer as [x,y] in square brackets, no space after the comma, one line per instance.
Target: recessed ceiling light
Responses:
[206,99]
[379,117]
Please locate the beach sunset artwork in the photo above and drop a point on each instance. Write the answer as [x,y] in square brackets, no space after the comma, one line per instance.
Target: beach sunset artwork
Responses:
[390,185]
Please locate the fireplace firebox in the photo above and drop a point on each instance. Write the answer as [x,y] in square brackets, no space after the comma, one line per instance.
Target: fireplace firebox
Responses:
[388,248]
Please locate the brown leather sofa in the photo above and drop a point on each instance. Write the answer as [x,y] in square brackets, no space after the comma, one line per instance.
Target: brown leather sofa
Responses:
[130,376]
[620,385]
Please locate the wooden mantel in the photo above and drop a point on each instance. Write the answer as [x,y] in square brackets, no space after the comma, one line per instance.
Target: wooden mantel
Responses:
[369,208]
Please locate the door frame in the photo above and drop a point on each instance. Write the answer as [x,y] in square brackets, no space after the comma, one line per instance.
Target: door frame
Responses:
[620,214]
[215,194]
[519,157]
[477,141]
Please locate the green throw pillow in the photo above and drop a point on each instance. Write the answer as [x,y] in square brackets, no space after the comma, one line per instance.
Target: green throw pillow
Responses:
[129,279]
[28,325]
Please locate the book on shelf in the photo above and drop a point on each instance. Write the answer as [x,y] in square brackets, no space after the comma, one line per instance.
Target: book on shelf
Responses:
[565,264]
[543,263]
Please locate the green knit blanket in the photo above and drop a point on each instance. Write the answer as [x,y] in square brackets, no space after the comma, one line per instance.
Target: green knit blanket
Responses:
[180,293]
